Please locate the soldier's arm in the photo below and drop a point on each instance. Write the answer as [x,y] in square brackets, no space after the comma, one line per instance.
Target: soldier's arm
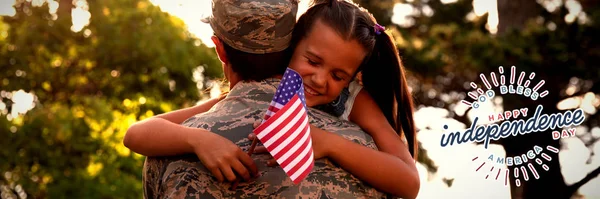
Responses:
[178,116]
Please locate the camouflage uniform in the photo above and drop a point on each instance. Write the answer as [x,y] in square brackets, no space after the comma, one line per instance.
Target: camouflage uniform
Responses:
[232,118]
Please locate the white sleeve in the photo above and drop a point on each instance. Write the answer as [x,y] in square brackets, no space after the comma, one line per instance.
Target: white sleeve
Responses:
[354,89]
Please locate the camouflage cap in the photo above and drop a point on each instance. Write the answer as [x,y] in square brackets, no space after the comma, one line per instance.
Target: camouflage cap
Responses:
[254,26]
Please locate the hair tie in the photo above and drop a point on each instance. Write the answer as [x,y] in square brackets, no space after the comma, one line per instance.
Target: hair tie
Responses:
[378,29]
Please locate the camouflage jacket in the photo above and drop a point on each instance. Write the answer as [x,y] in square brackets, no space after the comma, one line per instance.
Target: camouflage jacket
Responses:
[185,176]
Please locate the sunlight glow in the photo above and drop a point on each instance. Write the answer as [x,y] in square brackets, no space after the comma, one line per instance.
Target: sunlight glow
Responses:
[215,90]
[575,10]
[403,13]
[448,1]
[22,102]
[481,7]
[569,103]
[53,6]
[571,90]
[485,109]
[455,166]
[573,6]
[193,11]
[550,5]
[576,161]
[589,102]
[81,16]
[6,8]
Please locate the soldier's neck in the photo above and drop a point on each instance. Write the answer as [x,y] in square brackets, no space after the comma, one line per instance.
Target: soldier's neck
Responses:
[233,80]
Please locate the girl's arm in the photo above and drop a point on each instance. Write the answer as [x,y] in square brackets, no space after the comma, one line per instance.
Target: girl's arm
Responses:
[366,114]
[392,169]
[383,171]
[163,134]
[159,137]
[178,116]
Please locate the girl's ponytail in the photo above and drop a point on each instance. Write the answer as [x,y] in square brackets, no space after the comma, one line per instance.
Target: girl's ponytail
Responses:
[384,79]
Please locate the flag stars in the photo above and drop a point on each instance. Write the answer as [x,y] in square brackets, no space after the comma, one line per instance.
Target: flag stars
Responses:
[291,85]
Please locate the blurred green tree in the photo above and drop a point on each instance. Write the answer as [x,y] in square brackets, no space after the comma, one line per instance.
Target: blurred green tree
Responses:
[130,62]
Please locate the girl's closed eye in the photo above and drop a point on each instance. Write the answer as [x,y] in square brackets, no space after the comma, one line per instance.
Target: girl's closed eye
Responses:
[311,62]
[337,77]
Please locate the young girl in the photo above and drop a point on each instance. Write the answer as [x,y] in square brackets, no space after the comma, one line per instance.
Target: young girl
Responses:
[334,40]
[329,79]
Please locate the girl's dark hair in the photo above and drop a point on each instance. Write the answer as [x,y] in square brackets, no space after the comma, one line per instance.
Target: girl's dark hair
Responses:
[383,75]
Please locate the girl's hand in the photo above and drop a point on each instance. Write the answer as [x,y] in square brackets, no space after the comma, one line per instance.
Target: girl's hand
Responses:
[319,143]
[222,157]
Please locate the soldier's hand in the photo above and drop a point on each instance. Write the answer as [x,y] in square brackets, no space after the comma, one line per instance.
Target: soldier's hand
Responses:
[261,149]
[319,142]
[223,158]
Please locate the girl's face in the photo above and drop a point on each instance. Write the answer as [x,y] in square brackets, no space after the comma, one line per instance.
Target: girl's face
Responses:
[326,63]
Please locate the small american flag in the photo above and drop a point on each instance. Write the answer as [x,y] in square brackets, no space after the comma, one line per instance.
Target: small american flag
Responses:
[285,131]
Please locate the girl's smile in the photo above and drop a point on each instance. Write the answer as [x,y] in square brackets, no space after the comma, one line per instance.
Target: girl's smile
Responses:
[310,91]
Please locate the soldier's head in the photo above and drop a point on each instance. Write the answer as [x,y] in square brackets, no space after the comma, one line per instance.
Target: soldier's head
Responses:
[252,36]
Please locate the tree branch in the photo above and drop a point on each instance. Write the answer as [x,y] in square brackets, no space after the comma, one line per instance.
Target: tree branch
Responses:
[574,187]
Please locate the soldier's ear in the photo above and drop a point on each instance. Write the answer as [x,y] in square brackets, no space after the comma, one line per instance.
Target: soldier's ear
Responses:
[220,50]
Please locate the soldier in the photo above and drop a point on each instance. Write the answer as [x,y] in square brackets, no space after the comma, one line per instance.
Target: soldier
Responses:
[249,36]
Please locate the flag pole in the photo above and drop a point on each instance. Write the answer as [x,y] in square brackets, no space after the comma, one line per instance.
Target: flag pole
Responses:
[250,152]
